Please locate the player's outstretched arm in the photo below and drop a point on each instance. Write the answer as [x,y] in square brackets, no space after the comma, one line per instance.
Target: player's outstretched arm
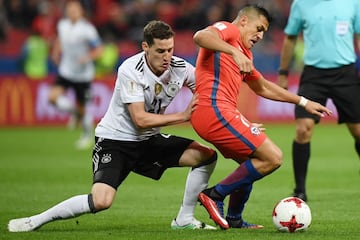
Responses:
[270,90]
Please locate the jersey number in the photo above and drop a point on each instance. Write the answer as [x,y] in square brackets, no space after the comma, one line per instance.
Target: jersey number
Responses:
[156,106]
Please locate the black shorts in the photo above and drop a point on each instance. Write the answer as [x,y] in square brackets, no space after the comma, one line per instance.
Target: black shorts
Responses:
[341,85]
[82,90]
[113,160]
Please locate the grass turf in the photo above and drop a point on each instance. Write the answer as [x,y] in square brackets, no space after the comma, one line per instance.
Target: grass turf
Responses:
[40,167]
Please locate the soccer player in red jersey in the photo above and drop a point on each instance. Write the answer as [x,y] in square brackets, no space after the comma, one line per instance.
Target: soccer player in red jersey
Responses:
[224,62]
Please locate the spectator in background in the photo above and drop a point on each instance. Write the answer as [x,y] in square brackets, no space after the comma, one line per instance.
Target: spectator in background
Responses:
[215,12]
[4,24]
[139,13]
[45,21]
[35,53]
[106,63]
[329,29]
[15,13]
[116,25]
[78,44]
[192,16]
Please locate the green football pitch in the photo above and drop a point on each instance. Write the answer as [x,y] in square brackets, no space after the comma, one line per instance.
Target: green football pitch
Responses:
[40,167]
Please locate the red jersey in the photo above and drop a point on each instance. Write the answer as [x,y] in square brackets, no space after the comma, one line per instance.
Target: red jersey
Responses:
[218,77]
[218,80]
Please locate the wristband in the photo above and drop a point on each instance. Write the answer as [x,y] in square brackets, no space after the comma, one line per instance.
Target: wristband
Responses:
[283,72]
[303,101]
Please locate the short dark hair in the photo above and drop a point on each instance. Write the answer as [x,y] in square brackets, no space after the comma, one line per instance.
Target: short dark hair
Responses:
[157,29]
[260,10]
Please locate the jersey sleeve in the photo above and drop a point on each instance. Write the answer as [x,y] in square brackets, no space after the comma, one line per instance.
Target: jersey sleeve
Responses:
[93,36]
[226,30]
[294,24]
[59,25]
[131,90]
[254,75]
[357,17]
[190,77]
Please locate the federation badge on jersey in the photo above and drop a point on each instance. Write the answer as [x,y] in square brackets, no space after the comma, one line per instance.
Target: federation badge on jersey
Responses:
[172,89]
[255,131]
[158,88]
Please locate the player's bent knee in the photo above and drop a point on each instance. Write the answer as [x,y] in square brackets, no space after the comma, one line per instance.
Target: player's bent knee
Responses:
[276,159]
[304,133]
[102,203]
[277,163]
[102,196]
[211,159]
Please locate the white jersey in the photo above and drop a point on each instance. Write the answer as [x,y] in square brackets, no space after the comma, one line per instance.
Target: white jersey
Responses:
[137,83]
[76,40]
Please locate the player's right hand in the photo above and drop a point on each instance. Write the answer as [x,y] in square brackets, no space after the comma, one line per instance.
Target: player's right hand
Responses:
[244,63]
[192,105]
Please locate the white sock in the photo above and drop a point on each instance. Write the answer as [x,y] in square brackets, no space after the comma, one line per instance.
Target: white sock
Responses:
[88,125]
[64,104]
[197,180]
[69,208]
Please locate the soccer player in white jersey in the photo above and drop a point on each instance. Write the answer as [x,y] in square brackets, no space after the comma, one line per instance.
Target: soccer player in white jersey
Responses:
[128,137]
[77,45]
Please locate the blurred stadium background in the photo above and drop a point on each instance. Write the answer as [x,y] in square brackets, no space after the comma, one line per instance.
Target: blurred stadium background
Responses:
[23,97]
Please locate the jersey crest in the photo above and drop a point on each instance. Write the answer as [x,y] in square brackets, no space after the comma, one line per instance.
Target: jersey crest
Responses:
[172,89]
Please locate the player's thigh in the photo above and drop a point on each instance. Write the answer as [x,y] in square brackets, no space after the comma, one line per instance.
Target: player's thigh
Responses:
[83,92]
[228,130]
[268,152]
[238,139]
[113,160]
[55,91]
[58,88]
[159,153]
[195,154]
